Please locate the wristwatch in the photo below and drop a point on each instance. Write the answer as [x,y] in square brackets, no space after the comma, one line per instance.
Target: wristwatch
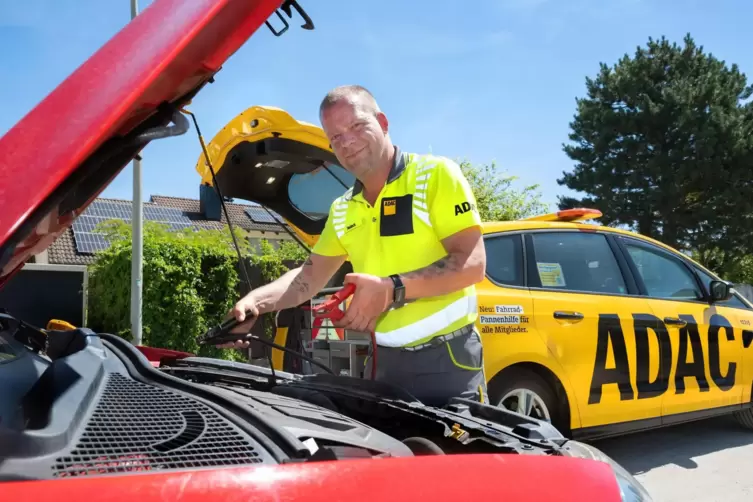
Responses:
[398,294]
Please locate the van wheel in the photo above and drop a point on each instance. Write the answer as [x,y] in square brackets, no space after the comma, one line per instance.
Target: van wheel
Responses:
[745,418]
[523,391]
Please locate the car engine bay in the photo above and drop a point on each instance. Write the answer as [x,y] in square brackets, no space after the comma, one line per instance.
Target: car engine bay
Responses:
[81,403]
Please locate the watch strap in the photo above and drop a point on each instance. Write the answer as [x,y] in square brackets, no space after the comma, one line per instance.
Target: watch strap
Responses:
[398,295]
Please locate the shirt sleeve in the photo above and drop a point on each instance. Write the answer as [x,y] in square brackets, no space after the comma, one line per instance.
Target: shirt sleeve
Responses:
[452,204]
[329,243]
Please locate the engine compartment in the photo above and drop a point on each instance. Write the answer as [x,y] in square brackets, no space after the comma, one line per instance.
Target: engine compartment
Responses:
[97,406]
[85,414]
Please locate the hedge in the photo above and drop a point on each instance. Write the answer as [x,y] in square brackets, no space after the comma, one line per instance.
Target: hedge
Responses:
[190,282]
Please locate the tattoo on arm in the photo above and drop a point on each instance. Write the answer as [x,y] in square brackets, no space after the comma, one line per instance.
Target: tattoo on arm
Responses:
[445,265]
[299,282]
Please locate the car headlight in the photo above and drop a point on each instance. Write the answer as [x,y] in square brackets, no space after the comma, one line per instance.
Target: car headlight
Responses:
[631,489]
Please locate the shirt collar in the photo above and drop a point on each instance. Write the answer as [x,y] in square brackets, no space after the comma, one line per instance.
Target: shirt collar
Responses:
[398,166]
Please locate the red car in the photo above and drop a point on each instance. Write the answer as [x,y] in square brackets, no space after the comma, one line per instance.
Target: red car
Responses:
[85,415]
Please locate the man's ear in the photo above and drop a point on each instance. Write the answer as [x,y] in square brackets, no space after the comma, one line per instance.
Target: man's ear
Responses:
[383,122]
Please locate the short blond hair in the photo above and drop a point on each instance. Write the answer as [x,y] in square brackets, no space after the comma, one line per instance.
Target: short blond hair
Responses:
[350,94]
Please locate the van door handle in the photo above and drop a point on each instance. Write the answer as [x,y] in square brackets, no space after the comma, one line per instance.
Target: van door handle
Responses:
[558,314]
[674,321]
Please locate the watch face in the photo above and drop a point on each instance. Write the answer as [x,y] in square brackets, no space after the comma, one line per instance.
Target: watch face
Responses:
[399,294]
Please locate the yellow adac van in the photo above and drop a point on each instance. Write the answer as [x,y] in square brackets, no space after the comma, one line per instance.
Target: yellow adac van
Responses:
[598,330]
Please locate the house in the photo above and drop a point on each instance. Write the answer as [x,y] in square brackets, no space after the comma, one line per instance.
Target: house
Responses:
[77,245]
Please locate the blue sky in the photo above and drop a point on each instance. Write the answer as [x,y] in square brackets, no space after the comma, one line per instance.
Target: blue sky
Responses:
[495,82]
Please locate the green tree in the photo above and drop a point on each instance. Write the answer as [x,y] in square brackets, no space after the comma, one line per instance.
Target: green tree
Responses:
[662,146]
[497,200]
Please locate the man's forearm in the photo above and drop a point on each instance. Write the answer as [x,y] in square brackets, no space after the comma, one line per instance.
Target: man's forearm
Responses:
[446,275]
[289,290]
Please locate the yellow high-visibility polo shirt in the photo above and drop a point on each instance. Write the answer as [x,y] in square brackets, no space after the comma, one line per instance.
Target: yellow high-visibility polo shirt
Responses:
[426,199]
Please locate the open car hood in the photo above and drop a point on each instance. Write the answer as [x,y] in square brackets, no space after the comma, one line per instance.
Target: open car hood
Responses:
[264,155]
[57,159]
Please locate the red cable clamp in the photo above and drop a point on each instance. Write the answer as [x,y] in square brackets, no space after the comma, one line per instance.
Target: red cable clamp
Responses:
[330,308]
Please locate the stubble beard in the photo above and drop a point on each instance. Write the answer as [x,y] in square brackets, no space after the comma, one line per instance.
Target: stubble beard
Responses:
[361,168]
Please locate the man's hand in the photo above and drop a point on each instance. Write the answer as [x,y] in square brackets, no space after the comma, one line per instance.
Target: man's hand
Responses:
[291,289]
[246,313]
[372,297]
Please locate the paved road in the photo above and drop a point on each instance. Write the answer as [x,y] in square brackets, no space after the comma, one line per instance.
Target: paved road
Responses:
[709,461]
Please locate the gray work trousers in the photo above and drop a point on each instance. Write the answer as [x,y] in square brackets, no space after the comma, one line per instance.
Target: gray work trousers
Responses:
[435,374]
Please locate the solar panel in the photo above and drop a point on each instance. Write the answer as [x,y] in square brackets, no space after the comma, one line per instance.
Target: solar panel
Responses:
[89,243]
[123,211]
[109,210]
[165,214]
[102,211]
[260,215]
[85,223]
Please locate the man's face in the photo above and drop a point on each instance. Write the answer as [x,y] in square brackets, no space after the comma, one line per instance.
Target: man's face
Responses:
[357,136]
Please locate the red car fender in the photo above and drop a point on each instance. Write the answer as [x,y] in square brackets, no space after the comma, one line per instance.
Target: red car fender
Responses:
[473,478]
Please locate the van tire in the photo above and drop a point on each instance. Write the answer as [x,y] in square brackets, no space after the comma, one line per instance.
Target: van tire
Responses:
[745,418]
[515,379]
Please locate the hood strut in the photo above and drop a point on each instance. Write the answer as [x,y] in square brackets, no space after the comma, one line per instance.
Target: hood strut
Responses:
[244,269]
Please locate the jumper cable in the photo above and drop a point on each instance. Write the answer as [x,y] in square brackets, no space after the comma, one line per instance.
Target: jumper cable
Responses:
[330,309]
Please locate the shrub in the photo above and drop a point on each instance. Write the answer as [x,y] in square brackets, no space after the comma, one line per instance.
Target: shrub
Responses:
[190,282]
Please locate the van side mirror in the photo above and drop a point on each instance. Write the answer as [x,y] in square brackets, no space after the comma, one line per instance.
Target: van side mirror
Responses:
[720,291]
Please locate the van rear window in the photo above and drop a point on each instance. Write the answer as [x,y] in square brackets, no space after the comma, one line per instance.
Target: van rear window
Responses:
[313,193]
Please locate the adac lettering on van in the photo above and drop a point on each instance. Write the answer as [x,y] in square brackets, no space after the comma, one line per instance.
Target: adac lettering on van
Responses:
[610,334]
[747,338]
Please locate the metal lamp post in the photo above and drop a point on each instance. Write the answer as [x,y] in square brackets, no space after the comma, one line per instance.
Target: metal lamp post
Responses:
[137,243]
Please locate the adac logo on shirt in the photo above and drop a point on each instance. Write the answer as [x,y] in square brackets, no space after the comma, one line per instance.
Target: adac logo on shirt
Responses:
[464,208]
[389,207]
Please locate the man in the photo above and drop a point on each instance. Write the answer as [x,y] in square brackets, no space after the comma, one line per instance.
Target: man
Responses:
[411,230]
